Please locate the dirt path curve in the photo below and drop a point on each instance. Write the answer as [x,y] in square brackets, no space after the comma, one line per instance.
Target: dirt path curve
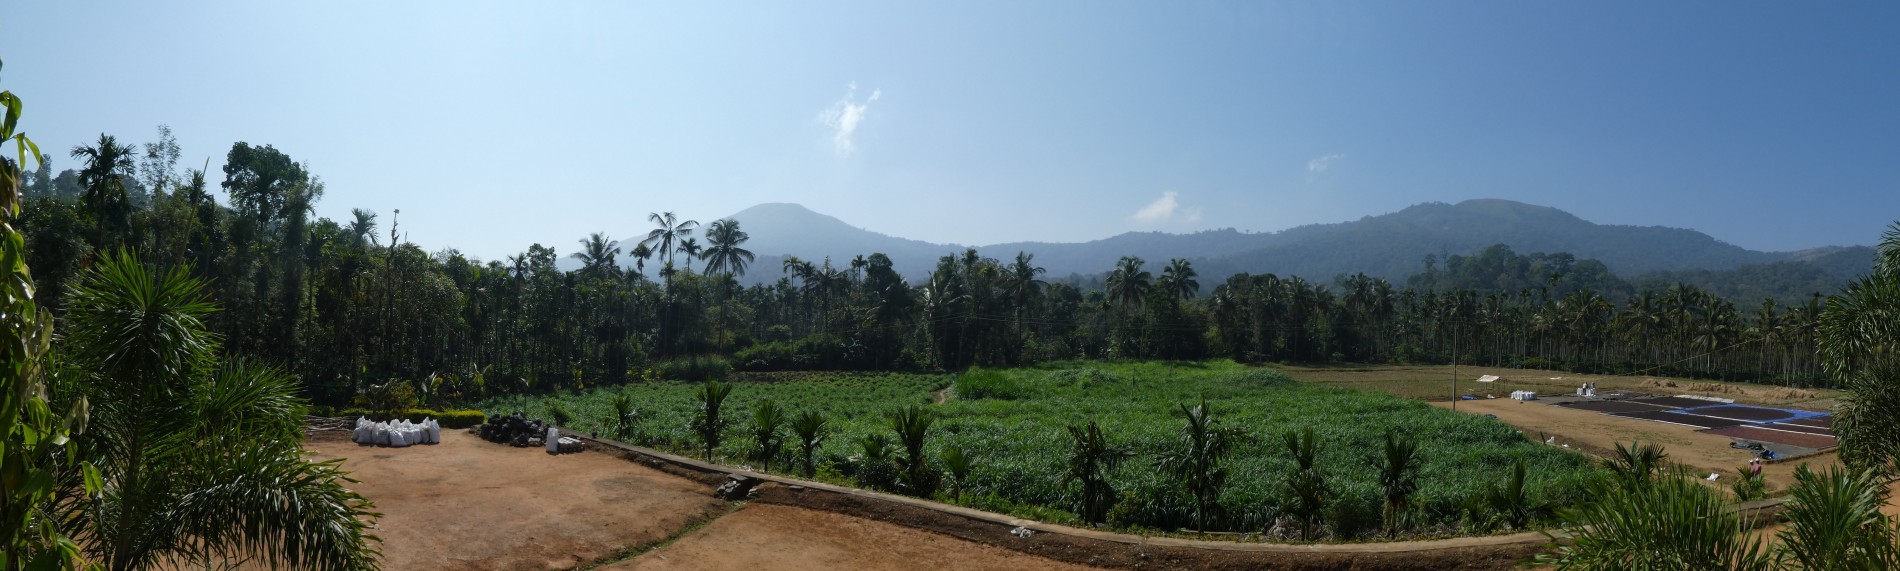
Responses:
[767,536]
[1599,433]
[466,504]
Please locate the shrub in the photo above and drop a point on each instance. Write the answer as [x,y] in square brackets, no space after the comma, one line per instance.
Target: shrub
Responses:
[694,370]
[446,418]
[978,383]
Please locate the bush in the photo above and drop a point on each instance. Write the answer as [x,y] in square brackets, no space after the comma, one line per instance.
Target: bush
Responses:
[694,370]
[447,418]
[978,383]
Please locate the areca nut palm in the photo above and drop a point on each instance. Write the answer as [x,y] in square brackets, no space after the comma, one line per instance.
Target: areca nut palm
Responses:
[665,239]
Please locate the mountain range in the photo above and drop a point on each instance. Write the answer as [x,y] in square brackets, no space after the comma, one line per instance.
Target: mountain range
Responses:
[1391,246]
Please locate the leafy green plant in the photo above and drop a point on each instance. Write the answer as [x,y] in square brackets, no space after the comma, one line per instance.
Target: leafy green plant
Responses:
[558,413]
[625,416]
[875,467]
[811,428]
[958,463]
[1636,465]
[1197,458]
[1834,522]
[1090,457]
[708,424]
[1398,477]
[1669,522]
[767,418]
[1748,486]
[912,425]
[1511,502]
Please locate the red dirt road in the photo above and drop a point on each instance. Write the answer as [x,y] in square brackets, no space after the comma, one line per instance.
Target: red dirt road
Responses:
[767,536]
[466,504]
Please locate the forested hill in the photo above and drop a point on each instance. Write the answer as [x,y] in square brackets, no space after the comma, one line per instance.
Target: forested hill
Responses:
[1391,246]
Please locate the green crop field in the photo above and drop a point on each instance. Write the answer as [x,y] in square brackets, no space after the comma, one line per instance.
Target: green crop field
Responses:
[1014,422]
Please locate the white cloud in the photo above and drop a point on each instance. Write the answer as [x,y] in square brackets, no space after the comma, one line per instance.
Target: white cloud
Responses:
[844,116]
[1319,165]
[1167,209]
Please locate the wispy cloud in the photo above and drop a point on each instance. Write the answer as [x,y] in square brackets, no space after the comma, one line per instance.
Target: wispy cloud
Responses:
[844,116]
[1167,209]
[1319,165]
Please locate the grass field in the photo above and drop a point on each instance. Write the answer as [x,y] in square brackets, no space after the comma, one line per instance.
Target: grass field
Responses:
[1014,420]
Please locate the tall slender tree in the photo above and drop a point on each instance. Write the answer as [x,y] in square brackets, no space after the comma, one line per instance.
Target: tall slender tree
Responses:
[669,233]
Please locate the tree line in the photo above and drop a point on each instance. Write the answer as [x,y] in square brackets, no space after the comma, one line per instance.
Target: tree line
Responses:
[348,305]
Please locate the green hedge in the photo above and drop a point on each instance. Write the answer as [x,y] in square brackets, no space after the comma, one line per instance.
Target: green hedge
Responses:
[447,418]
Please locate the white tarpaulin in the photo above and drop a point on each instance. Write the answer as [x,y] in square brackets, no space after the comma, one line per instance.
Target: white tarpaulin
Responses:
[1488,379]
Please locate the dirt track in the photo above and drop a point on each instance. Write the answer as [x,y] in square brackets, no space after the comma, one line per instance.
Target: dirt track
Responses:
[1599,433]
[766,536]
[468,504]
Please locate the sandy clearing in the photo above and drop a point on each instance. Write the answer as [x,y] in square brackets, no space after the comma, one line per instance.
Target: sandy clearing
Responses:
[469,504]
[1599,433]
[767,536]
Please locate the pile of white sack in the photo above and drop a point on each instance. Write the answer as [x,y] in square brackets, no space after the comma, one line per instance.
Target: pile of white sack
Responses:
[397,433]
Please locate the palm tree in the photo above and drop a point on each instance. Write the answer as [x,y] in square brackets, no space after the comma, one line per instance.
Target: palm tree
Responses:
[108,163]
[811,429]
[1177,280]
[597,255]
[1398,476]
[691,248]
[1834,521]
[363,227]
[1673,523]
[1305,488]
[724,253]
[958,462]
[1858,337]
[1127,284]
[707,423]
[641,253]
[766,420]
[1090,458]
[197,460]
[1636,465]
[912,425]
[1196,464]
[664,239]
[1021,284]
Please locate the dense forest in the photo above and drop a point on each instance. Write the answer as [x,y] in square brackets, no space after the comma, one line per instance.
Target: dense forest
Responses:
[349,305]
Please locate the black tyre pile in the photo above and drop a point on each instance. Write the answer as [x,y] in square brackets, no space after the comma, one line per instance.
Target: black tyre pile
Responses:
[515,429]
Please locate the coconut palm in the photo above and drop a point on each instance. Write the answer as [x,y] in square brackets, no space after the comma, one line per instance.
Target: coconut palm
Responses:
[1128,284]
[1090,458]
[197,460]
[1177,280]
[597,255]
[724,253]
[666,238]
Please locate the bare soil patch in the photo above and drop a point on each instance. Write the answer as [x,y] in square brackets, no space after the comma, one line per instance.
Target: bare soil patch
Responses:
[1804,440]
[766,536]
[1597,434]
[469,504]
[1434,383]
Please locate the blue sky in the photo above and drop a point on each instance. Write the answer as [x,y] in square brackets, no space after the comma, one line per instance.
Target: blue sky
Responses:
[491,126]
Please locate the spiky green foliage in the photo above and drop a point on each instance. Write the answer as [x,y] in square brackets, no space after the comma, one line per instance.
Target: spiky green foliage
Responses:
[709,424]
[1397,467]
[1636,465]
[1834,522]
[1511,503]
[912,425]
[767,419]
[198,460]
[625,416]
[1198,458]
[811,428]
[1090,458]
[958,463]
[1672,523]
[1748,486]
